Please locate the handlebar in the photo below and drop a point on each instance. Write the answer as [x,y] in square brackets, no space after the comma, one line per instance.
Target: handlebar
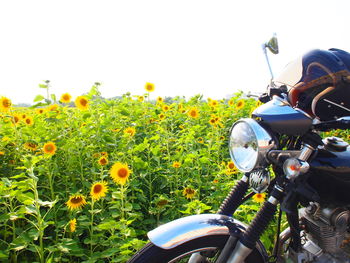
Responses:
[342,123]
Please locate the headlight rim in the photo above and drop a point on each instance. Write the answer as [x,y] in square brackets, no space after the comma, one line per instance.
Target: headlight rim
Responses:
[264,140]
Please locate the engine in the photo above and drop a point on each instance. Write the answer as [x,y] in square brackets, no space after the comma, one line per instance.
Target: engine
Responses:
[325,236]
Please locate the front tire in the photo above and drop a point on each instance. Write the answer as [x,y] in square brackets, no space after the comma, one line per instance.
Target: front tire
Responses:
[153,254]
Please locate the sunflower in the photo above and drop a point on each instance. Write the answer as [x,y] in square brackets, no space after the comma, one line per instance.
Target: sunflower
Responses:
[259,198]
[160,100]
[161,116]
[82,103]
[212,122]
[53,107]
[165,108]
[98,190]
[66,98]
[162,202]
[240,104]
[188,192]
[103,160]
[130,131]
[213,103]
[176,164]
[5,104]
[72,225]
[149,87]
[230,165]
[24,116]
[30,146]
[49,148]
[140,98]
[120,173]
[193,113]
[16,118]
[231,102]
[200,140]
[40,111]
[2,153]
[29,121]
[76,201]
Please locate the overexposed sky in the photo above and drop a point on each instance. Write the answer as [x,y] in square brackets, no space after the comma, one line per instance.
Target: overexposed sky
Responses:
[184,47]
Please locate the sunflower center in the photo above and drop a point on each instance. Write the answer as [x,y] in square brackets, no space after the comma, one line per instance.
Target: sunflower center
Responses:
[97,188]
[231,165]
[49,148]
[6,103]
[66,97]
[76,200]
[28,121]
[193,113]
[83,102]
[189,191]
[123,172]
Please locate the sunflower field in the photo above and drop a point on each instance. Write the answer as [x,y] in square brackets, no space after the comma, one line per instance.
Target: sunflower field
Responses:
[83,180]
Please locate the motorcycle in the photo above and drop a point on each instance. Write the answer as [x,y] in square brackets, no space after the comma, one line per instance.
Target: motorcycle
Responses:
[281,152]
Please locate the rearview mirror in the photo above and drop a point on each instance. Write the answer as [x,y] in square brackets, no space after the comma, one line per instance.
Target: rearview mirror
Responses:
[272,44]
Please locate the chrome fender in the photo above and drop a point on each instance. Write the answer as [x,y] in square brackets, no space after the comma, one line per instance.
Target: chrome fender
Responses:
[182,230]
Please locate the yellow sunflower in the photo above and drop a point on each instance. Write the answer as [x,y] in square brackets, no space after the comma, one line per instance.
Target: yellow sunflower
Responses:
[176,164]
[240,104]
[230,165]
[30,146]
[141,98]
[29,121]
[82,103]
[72,225]
[259,198]
[193,113]
[66,98]
[231,102]
[49,148]
[98,190]
[161,116]
[53,107]
[149,87]
[188,192]
[165,108]
[103,160]
[15,118]
[40,111]
[2,153]
[5,104]
[130,131]
[200,140]
[213,103]
[120,173]
[160,100]
[76,201]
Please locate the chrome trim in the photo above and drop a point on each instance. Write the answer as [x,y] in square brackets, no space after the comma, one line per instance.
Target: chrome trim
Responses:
[182,230]
[239,254]
[264,144]
[306,152]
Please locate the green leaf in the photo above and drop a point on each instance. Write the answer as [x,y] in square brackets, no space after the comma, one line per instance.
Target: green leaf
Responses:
[53,97]
[39,98]
[109,225]
[43,86]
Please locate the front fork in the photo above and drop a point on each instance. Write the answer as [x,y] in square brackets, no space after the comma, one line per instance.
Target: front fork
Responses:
[252,234]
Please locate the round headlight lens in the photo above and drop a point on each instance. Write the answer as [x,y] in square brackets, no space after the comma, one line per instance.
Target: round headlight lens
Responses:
[248,144]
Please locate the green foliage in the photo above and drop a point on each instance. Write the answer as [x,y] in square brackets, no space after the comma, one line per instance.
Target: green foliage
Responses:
[177,163]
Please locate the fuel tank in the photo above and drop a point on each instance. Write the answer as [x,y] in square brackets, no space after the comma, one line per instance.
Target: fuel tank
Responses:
[330,172]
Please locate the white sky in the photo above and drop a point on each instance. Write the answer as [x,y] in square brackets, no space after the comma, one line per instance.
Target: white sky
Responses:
[184,47]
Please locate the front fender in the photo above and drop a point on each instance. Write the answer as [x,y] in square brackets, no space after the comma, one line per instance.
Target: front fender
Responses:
[182,230]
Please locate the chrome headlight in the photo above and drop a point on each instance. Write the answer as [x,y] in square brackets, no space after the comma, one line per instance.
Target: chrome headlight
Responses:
[248,144]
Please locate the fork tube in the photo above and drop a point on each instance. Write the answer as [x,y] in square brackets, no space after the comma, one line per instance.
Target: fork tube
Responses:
[235,197]
[263,218]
